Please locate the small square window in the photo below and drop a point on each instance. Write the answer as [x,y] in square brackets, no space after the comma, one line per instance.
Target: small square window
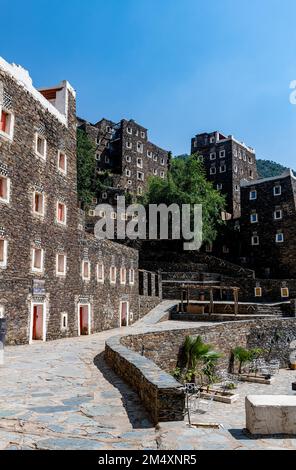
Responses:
[139,147]
[139,163]
[222,153]
[139,191]
[155,158]
[258,291]
[253,195]
[62,162]
[98,156]
[91,212]
[143,135]
[279,238]
[129,130]
[4,189]
[140,176]
[212,140]
[107,159]
[255,240]
[127,172]
[3,253]
[128,158]
[225,249]
[278,214]
[85,270]
[277,190]
[149,153]
[285,292]
[40,146]
[129,145]
[61,262]
[162,174]
[222,168]
[213,170]
[236,187]
[213,156]
[37,260]
[219,186]
[38,203]
[123,216]
[6,124]
[102,213]
[155,171]
[254,218]
[113,215]
[162,161]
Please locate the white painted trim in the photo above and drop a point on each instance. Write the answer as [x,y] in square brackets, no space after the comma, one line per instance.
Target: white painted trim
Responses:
[3,264]
[63,172]
[37,270]
[58,273]
[5,135]
[102,279]
[88,317]
[57,212]
[127,312]
[37,135]
[39,214]
[8,182]
[43,321]
[82,270]
[111,281]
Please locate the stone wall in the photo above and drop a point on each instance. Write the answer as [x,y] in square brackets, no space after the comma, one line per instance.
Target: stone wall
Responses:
[164,347]
[159,392]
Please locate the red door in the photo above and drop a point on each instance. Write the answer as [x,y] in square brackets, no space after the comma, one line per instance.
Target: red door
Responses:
[37,322]
[83,320]
[35,318]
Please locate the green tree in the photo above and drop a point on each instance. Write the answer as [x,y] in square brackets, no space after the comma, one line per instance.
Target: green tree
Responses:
[186,183]
[86,167]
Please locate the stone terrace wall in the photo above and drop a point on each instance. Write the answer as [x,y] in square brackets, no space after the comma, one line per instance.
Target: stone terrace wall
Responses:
[159,392]
[276,334]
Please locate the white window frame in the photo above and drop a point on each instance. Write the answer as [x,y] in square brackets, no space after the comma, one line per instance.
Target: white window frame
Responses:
[222,168]
[162,161]
[155,171]
[64,222]
[33,253]
[3,264]
[143,135]
[39,214]
[38,136]
[98,156]
[277,239]
[113,281]
[251,218]
[219,186]
[275,213]
[139,162]
[254,191]
[129,145]
[128,158]
[123,276]
[275,188]
[253,240]
[8,185]
[61,170]
[142,175]
[129,130]
[162,174]
[222,153]
[258,291]
[101,280]
[155,158]
[83,263]
[286,291]
[64,316]
[131,276]
[128,172]
[140,147]
[213,170]
[213,156]
[149,154]
[139,191]
[64,272]
[8,135]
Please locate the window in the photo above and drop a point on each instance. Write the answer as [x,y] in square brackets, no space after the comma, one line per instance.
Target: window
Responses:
[98,156]
[4,189]
[213,156]
[40,146]
[255,240]
[162,174]
[279,238]
[38,203]
[143,135]
[64,321]
[123,217]
[235,168]
[37,260]
[61,213]
[62,162]
[278,214]
[107,159]
[139,163]
[213,170]
[6,124]
[108,129]
[236,187]
[85,270]
[222,153]
[113,215]
[122,276]
[128,158]
[250,160]
[149,153]
[253,195]
[140,176]
[244,156]
[162,161]
[91,212]
[102,213]
[129,130]
[113,275]
[251,174]
[219,186]
[100,272]
[104,195]
[285,292]
[277,190]
[61,264]
[155,172]
[98,140]
[139,191]
[129,182]
[129,145]
[225,249]
[222,168]
[209,247]
[254,218]
[235,152]
[155,158]
[127,172]
[131,277]
[139,147]
[3,253]
[212,140]
[258,291]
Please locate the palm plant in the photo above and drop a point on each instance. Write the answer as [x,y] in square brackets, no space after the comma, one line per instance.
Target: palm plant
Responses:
[197,351]
[242,355]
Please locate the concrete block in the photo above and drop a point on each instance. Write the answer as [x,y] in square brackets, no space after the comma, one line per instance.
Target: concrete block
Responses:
[271,414]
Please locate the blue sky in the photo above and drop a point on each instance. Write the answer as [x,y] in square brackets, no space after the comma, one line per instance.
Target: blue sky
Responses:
[178,67]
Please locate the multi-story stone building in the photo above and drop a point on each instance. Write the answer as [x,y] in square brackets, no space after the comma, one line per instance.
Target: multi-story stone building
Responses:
[267,226]
[55,280]
[227,162]
[125,151]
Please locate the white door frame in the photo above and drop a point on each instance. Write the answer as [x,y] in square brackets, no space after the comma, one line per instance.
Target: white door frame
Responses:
[127,312]
[88,305]
[34,304]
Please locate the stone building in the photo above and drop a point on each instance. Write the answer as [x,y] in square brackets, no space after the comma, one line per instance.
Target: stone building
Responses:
[227,162]
[55,279]
[125,151]
[267,226]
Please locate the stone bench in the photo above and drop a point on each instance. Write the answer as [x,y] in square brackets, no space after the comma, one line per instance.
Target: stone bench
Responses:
[271,414]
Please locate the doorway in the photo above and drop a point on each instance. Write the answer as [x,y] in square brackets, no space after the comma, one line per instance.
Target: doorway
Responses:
[124,313]
[84,319]
[38,323]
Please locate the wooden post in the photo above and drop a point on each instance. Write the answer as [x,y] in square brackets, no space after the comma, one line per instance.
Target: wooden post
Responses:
[211,301]
[187,296]
[182,302]
[235,295]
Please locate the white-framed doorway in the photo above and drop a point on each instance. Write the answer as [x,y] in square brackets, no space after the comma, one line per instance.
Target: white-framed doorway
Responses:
[84,319]
[124,313]
[37,322]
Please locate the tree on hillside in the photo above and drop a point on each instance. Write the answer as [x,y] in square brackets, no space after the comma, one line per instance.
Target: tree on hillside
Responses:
[268,169]
[186,183]
[86,167]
